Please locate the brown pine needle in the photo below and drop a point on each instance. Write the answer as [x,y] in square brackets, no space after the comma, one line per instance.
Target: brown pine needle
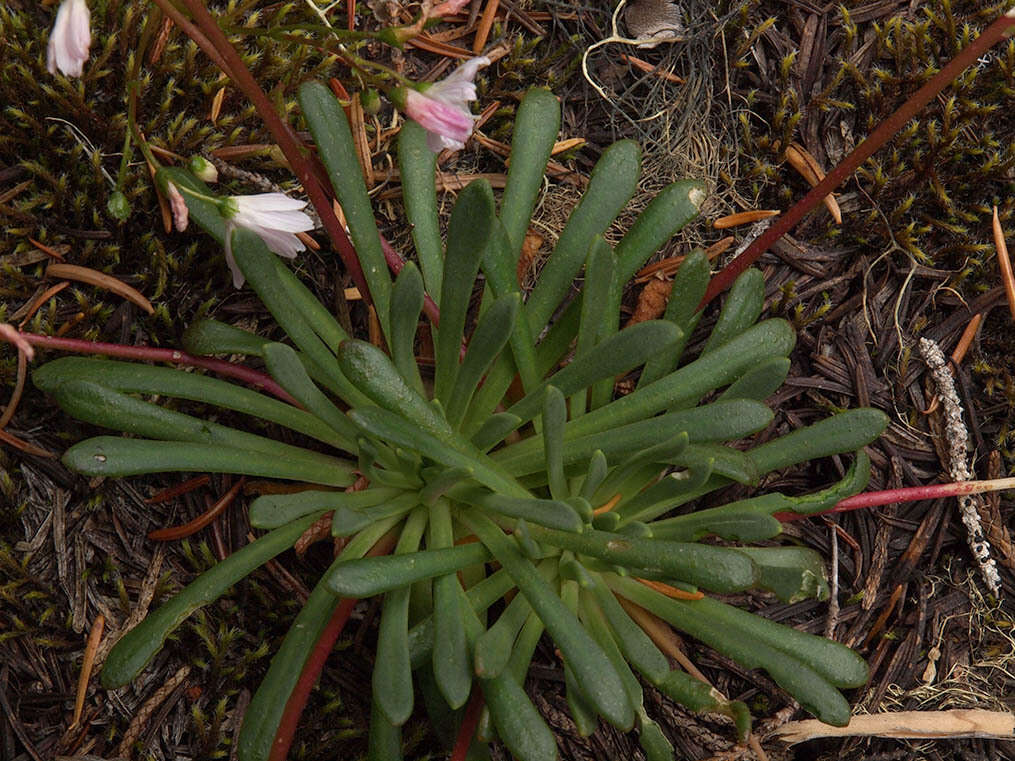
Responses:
[423,42]
[8,195]
[308,241]
[175,491]
[46,249]
[100,280]
[966,340]
[485,24]
[91,647]
[662,635]
[565,145]
[607,506]
[192,527]
[24,446]
[744,218]
[669,591]
[648,68]
[667,267]
[42,299]
[1005,264]
[160,42]
[801,160]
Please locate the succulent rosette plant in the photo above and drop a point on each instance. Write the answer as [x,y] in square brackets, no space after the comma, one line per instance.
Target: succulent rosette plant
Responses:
[562,509]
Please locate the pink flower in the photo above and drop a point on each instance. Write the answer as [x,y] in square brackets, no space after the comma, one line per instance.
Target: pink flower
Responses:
[178,206]
[447,8]
[443,108]
[275,217]
[70,39]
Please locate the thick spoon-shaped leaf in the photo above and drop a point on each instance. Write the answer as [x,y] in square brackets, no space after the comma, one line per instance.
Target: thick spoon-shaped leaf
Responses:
[418,164]
[264,713]
[378,378]
[372,576]
[485,345]
[330,128]
[844,432]
[518,723]
[493,648]
[392,676]
[535,132]
[469,231]
[207,336]
[740,310]
[554,418]
[451,667]
[135,378]
[611,186]
[617,354]
[137,647]
[406,303]
[718,569]
[261,269]
[115,457]
[274,510]
[590,664]
[596,322]
[545,512]
[97,404]
[792,573]
[739,639]
[389,427]
[721,421]
[689,286]
[285,367]
[760,382]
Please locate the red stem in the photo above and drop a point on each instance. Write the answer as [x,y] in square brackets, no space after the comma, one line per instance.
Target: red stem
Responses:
[284,136]
[908,494]
[315,663]
[308,677]
[884,132]
[467,729]
[301,164]
[150,354]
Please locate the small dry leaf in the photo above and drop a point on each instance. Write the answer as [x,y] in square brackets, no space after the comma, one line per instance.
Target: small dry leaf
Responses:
[651,301]
[530,247]
[801,160]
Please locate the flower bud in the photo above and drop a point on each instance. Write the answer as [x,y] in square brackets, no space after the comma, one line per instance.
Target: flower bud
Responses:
[203,169]
[370,100]
[118,207]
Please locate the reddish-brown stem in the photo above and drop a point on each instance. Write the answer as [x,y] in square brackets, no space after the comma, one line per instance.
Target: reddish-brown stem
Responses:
[315,663]
[284,136]
[195,34]
[884,132]
[308,677]
[150,354]
[192,527]
[908,494]
[467,729]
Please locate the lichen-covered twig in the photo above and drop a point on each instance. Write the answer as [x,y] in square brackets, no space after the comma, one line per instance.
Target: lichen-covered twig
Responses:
[956,438]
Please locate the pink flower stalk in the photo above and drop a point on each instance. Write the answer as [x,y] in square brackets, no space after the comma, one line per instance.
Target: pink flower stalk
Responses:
[275,217]
[178,206]
[442,109]
[70,39]
[11,334]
